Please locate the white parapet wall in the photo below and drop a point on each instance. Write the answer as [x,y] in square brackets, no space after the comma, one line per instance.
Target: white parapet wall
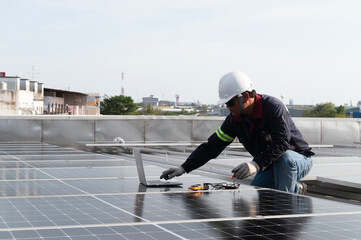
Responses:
[330,130]
[72,130]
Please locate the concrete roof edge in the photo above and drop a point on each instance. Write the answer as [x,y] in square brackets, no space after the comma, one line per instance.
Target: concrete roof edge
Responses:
[103,117]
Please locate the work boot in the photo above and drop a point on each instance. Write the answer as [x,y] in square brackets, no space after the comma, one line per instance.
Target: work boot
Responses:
[302,188]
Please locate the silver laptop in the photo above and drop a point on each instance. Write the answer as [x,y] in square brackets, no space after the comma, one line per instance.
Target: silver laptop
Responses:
[141,174]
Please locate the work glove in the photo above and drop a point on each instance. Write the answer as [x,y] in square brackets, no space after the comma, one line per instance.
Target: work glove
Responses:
[245,170]
[172,172]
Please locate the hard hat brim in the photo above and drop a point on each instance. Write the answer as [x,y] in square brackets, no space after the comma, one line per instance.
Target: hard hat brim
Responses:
[224,100]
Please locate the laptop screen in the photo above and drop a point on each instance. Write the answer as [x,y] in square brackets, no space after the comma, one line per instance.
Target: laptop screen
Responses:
[140,167]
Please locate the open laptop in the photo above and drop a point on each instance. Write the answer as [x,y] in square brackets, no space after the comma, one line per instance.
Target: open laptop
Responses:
[141,174]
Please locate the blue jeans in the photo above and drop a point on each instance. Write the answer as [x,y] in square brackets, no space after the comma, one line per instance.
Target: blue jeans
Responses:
[284,173]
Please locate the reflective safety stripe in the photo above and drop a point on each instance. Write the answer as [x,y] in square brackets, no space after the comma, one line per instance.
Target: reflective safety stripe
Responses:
[224,137]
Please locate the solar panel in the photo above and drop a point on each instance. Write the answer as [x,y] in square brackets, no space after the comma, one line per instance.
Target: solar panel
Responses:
[61,193]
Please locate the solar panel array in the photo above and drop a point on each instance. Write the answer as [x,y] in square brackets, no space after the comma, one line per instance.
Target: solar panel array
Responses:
[51,192]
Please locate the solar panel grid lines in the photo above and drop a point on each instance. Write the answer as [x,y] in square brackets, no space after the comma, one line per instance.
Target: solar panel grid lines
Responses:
[246,228]
[101,200]
[31,174]
[63,163]
[72,202]
[57,158]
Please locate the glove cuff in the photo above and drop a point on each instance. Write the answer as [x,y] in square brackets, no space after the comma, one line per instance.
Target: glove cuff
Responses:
[180,167]
[255,165]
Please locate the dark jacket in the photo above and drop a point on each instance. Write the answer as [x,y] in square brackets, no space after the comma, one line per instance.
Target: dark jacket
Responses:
[266,136]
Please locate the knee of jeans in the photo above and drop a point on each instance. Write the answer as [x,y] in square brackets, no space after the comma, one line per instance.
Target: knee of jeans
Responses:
[286,160]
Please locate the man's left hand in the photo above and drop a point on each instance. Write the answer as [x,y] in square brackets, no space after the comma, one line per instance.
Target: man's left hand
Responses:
[245,170]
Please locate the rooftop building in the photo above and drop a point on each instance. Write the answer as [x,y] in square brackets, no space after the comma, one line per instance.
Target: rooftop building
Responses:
[20,96]
[64,102]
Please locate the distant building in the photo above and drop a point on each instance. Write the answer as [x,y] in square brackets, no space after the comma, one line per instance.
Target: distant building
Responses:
[163,103]
[298,110]
[58,101]
[64,102]
[38,89]
[151,100]
[93,104]
[20,96]
[176,109]
[217,110]
[352,111]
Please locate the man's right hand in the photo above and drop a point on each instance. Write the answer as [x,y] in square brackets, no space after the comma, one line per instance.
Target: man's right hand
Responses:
[172,172]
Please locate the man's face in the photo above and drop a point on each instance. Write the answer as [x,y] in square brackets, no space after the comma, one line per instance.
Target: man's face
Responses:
[234,106]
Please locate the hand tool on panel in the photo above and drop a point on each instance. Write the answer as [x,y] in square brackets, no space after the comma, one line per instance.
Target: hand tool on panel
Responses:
[213,186]
[195,187]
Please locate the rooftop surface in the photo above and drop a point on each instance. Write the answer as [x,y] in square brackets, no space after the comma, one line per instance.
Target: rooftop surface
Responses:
[52,192]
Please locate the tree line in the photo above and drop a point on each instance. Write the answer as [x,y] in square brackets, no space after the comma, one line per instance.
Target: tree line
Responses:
[326,110]
[124,105]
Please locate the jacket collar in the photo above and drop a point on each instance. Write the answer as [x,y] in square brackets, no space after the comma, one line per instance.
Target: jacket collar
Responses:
[257,111]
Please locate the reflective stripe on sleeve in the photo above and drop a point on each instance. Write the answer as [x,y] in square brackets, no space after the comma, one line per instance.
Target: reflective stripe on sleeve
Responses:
[224,137]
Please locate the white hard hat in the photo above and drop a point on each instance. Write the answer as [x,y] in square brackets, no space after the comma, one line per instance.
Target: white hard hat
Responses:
[233,84]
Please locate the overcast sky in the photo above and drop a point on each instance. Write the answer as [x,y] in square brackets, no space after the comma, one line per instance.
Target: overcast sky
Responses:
[308,51]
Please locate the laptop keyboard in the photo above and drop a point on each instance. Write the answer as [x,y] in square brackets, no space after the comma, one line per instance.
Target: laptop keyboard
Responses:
[155,182]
